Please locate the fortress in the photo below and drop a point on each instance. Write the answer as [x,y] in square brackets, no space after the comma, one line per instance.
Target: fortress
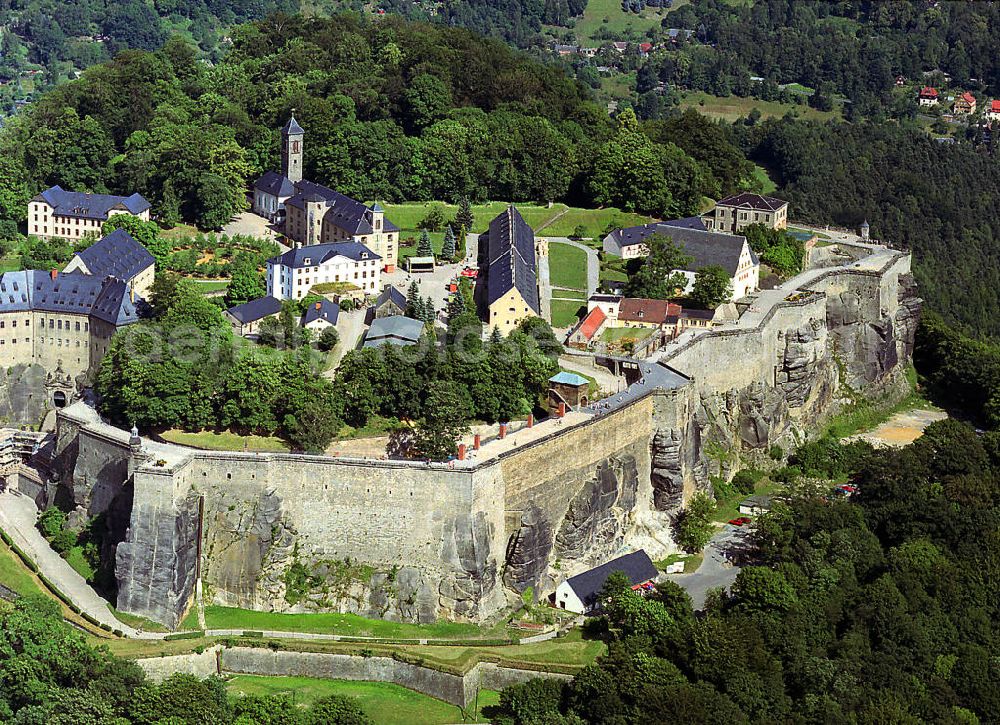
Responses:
[410,541]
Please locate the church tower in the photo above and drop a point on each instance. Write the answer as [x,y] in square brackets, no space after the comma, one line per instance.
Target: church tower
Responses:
[291,150]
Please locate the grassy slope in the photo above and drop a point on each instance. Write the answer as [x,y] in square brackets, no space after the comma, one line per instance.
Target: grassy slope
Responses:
[731,108]
[618,20]
[224,441]
[14,575]
[565,312]
[384,703]
[345,624]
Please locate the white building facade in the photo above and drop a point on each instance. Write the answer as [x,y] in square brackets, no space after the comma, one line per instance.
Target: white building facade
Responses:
[293,274]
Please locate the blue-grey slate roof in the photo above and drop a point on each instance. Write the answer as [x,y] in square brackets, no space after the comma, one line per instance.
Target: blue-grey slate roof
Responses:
[511,258]
[394,330]
[346,213]
[319,253]
[256,309]
[323,310]
[292,127]
[275,184]
[391,294]
[116,255]
[91,206]
[637,567]
[106,298]
[706,248]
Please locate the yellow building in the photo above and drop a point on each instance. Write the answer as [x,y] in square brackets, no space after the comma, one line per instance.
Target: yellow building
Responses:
[736,212]
[512,289]
[74,214]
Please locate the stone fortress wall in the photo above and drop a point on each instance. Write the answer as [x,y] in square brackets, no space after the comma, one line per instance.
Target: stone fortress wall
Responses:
[415,542]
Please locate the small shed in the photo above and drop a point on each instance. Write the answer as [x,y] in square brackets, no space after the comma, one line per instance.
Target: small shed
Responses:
[755,505]
[420,264]
[568,388]
[395,330]
[580,593]
[245,319]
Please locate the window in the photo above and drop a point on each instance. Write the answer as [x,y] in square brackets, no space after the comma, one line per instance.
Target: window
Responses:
[77,326]
[52,323]
[59,324]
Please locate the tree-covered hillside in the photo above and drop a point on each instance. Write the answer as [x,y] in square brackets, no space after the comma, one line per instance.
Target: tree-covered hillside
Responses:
[940,200]
[392,109]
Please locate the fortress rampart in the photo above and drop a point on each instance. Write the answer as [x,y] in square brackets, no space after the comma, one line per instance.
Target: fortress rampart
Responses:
[411,541]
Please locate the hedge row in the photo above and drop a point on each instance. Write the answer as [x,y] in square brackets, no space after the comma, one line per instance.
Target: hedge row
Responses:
[197,634]
[28,562]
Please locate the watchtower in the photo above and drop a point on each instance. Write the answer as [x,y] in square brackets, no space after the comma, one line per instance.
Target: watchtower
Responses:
[291,150]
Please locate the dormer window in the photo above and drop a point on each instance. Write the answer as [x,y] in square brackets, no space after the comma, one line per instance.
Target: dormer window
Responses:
[364,255]
[308,261]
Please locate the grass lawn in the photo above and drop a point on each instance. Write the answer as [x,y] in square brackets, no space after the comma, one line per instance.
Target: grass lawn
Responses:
[567,266]
[618,20]
[179,231]
[615,334]
[376,426]
[385,703]
[75,558]
[731,108]
[14,575]
[211,285]
[136,622]
[224,441]
[569,294]
[565,313]
[594,221]
[10,264]
[767,185]
[345,624]
[729,508]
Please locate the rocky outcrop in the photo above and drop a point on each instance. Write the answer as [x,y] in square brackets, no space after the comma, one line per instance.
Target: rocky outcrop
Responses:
[528,550]
[595,521]
[667,475]
[471,580]
[23,399]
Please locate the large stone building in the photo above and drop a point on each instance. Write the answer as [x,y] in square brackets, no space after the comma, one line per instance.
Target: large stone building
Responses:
[117,255]
[315,214]
[61,322]
[735,213]
[291,275]
[511,285]
[75,214]
[706,248]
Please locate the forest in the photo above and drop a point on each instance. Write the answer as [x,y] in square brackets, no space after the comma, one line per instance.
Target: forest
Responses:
[942,201]
[879,609]
[393,110]
[855,49]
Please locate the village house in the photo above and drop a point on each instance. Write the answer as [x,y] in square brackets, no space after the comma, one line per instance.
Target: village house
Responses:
[965,104]
[291,275]
[736,212]
[993,112]
[588,329]
[321,315]
[117,255]
[928,96]
[511,283]
[581,593]
[315,214]
[73,215]
[245,319]
[390,302]
[706,248]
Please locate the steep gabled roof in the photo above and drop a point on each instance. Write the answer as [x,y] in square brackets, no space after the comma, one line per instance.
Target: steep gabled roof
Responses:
[391,294]
[641,309]
[275,184]
[116,255]
[318,254]
[590,324]
[345,213]
[256,309]
[749,200]
[928,92]
[511,258]
[322,310]
[106,298]
[637,566]
[90,206]
[704,247]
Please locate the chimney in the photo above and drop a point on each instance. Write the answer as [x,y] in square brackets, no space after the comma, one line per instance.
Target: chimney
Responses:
[55,273]
[319,305]
[476,442]
[131,291]
[461,451]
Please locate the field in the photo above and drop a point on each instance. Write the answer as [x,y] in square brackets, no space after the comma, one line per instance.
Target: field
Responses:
[565,313]
[224,441]
[211,285]
[345,624]
[14,575]
[731,108]
[567,266]
[618,21]
[558,220]
[383,702]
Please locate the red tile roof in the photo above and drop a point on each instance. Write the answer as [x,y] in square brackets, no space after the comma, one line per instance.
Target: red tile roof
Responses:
[636,309]
[592,323]
[645,47]
[995,106]
[968,97]
[928,92]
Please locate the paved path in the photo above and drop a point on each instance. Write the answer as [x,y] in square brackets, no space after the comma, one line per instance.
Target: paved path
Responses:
[717,569]
[544,289]
[350,327]
[17,518]
[249,224]
[607,381]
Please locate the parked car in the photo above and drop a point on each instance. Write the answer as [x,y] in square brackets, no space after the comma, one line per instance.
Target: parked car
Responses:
[740,521]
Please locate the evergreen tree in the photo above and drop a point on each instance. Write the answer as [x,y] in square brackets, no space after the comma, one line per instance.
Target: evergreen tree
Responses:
[496,337]
[414,303]
[448,248]
[460,248]
[429,314]
[464,217]
[456,305]
[424,248]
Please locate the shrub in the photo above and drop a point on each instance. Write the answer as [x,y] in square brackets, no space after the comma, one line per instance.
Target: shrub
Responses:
[744,481]
[51,522]
[63,541]
[328,339]
[694,524]
[776,453]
